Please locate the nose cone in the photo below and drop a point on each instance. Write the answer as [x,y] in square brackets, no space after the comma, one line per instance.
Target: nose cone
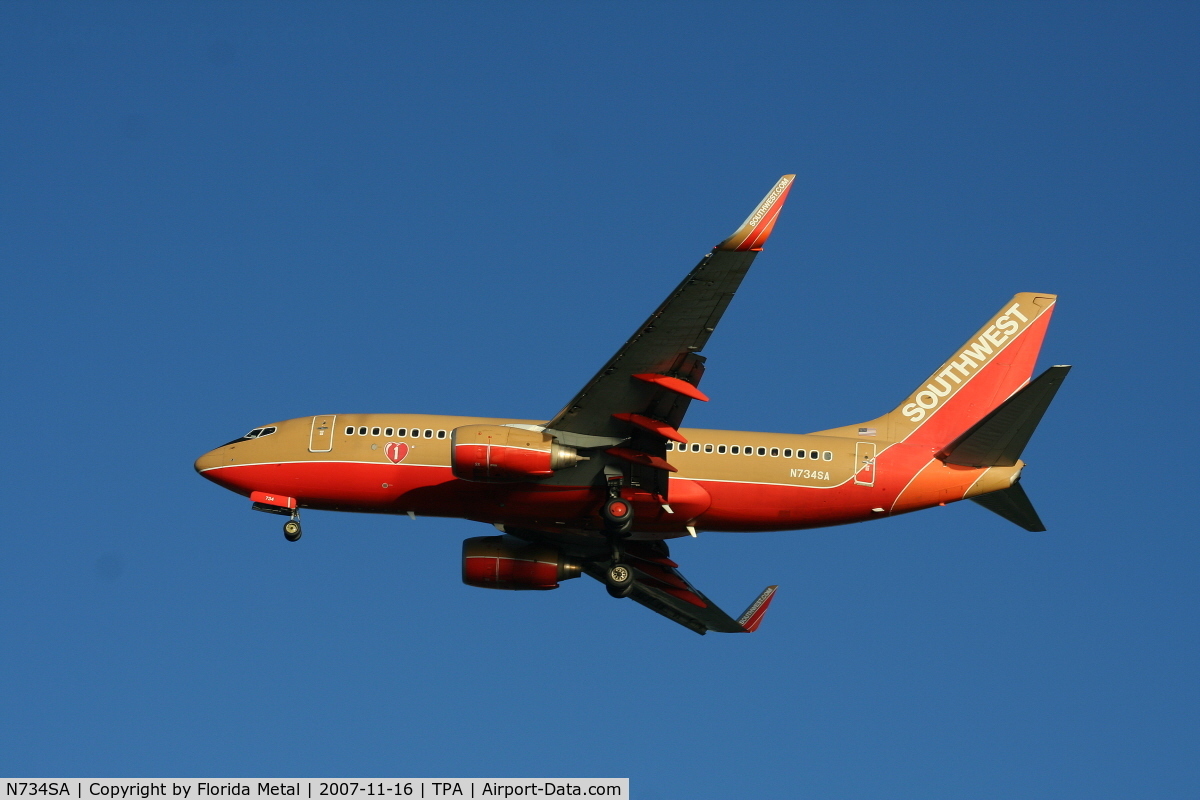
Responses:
[209,460]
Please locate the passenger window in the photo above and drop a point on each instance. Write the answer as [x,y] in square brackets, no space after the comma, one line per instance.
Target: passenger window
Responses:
[787,452]
[720,448]
[441,434]
[374,431]
[813,455]
[708,448]
[400,432]
[387,432]
[762,451]
[747,451]
[429,435]
[670,446]
[828,456]
[362,431]
[349,430]
[801,454]
[774,452]
[735,450]
[695,447]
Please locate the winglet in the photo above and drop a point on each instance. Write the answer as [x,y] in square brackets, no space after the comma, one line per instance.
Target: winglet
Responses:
[753,616]
[753,233]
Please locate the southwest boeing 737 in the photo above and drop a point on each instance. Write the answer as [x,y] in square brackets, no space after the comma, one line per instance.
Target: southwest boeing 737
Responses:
[601,486]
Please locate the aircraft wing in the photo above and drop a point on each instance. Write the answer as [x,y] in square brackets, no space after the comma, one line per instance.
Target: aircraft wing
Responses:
[638,399]
[660,587]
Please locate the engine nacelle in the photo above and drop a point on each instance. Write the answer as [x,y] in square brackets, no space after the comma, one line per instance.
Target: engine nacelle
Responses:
[499,453]
[506,562]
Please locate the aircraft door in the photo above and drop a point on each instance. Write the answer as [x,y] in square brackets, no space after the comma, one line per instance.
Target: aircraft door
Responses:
[320,440]
[864,460]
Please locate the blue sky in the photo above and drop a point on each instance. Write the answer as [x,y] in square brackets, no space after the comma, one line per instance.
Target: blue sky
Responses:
[220,215]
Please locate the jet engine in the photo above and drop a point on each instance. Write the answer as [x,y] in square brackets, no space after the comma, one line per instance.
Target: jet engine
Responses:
[506,562]
[498,453]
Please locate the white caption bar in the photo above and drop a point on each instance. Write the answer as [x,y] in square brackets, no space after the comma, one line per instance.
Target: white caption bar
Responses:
[319,788]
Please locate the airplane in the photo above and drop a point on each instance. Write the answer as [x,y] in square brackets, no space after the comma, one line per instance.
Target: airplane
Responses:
[600,487]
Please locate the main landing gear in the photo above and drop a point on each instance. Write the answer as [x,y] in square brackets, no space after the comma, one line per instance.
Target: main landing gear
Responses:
[618,521]
[618,516]
[291,528]
[619,580]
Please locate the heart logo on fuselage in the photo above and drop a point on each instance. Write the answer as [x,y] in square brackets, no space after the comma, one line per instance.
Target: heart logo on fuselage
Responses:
[396,451]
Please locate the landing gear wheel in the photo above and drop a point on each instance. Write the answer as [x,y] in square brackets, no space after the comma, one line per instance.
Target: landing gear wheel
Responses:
[619,580]
[291,530]
[618,515]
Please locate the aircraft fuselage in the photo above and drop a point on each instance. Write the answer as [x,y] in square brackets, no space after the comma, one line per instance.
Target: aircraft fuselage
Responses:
[726,480]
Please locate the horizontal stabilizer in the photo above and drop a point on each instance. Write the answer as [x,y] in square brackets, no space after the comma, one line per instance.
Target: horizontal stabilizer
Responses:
[1012,504]
[998,439]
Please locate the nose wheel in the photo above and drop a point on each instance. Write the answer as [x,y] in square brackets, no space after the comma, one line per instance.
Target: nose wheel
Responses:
[291,529]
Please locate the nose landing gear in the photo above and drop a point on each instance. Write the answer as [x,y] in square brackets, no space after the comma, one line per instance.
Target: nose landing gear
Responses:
[278,504]
[291,528]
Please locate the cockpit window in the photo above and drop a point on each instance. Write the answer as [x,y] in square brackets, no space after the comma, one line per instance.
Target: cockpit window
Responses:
[254,434]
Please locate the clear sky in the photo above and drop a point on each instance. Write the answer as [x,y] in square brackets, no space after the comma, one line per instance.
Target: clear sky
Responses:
[218,215]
